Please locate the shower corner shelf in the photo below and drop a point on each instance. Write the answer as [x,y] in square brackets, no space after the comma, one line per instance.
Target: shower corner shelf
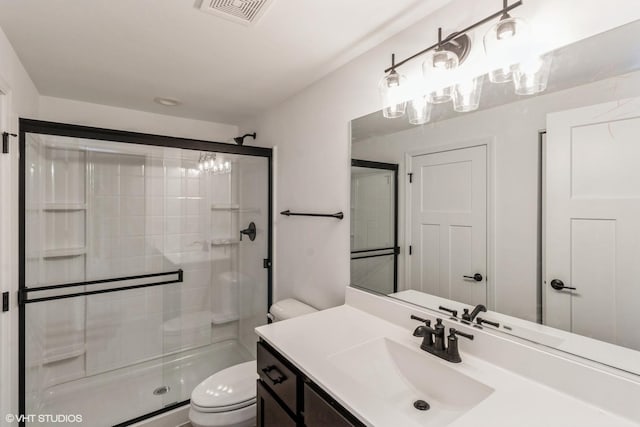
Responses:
[64,207]
[64,353]
[63,253]
[234,208]
[226,207]
[224,242]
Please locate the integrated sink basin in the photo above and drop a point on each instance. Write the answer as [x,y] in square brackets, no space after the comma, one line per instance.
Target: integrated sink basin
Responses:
[402,376]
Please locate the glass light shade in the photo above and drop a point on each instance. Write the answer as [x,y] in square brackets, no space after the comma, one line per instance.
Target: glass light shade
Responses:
[419,110]
[503,43]
[391,87]
[532,75]
[437,69]
[466,95]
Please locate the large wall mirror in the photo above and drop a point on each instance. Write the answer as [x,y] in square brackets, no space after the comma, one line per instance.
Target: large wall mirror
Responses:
[528,207]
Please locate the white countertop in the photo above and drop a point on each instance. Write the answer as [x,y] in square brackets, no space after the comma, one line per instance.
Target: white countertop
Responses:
[310,340]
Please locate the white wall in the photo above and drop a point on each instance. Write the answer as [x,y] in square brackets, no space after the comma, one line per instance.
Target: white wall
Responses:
[20,98]
[513,128]
[87,114]
[311,131]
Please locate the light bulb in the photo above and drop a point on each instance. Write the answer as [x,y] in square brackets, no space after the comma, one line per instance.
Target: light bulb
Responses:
[506,29]
[390,88]
[437,71]
[503,45]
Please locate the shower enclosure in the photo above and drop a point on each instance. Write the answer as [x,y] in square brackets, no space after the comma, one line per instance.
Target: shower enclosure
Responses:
[144,268]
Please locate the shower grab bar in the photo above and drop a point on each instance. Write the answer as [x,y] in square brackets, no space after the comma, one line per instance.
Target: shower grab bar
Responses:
[338,215]
[23,293]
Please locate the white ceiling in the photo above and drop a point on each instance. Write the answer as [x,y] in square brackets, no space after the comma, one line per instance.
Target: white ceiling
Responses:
[126,52]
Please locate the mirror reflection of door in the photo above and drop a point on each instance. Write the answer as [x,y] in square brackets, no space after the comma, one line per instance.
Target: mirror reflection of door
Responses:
[448,216]
[374,209]
[592,221]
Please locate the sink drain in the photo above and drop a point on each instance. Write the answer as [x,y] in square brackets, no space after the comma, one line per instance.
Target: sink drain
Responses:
[421,405]
[161,390]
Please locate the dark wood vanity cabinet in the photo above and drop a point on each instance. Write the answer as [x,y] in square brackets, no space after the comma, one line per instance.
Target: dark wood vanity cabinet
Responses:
[286,398]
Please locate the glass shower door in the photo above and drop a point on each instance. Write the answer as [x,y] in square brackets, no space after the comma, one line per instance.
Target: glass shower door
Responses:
[142,272]
[224,296]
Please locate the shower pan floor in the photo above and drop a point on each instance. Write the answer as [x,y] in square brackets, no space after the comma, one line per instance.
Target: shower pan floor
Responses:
[123,394]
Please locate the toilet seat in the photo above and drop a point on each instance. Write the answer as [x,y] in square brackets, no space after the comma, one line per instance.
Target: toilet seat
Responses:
[231,389]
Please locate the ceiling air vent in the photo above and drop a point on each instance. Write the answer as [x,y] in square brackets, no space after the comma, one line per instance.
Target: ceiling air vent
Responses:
[245,12]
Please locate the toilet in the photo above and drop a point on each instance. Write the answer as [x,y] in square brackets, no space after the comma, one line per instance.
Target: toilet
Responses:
[228,398]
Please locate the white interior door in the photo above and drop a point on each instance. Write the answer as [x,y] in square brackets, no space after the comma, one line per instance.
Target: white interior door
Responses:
[592,214]
[449,224]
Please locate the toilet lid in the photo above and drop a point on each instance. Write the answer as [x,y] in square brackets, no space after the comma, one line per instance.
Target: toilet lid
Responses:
[230,389]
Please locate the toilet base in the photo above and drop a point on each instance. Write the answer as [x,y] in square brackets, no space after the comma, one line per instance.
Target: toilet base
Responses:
[244,417]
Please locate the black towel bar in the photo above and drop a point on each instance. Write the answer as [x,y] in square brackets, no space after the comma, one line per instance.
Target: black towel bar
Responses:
[338,215]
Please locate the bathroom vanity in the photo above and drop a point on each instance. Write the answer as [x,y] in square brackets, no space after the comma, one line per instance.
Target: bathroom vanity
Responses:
[360,364]
[287,397]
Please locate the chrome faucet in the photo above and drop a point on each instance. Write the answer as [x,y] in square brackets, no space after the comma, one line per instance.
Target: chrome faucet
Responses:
[476,310]
[433,340]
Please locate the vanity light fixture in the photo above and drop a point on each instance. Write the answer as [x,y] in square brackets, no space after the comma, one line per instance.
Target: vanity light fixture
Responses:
[439,64]
[532,75]
[391,87]
[504,45]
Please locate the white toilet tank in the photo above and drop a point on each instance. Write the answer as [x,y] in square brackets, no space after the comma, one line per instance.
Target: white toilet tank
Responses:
[289,308]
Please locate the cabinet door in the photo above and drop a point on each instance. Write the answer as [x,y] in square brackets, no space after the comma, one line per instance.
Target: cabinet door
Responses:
[319,412]
[270,413]
[277,376]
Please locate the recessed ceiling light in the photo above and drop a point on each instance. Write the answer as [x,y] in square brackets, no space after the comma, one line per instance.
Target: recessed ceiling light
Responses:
[167,102]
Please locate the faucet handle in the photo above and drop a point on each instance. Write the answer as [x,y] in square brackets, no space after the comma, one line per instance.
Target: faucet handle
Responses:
[454,332]
[480,321]
[420,319]
[454,313]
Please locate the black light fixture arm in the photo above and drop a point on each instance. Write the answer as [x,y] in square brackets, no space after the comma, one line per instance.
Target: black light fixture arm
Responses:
[505,10]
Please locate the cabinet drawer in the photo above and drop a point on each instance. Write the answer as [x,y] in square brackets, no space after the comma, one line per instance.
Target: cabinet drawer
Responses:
[277,376]
[324,412]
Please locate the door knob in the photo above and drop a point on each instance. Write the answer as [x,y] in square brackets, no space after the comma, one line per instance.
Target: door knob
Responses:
[558,285]
[477,277]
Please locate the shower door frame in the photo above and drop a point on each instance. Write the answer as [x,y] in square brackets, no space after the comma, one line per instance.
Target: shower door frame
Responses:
[112,135]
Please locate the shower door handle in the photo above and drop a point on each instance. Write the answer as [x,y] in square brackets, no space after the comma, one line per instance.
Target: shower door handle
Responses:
[275,380]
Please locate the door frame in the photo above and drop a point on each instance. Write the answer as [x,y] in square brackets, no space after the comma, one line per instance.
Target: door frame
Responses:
[489,143]
[8,279]
[112,135]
